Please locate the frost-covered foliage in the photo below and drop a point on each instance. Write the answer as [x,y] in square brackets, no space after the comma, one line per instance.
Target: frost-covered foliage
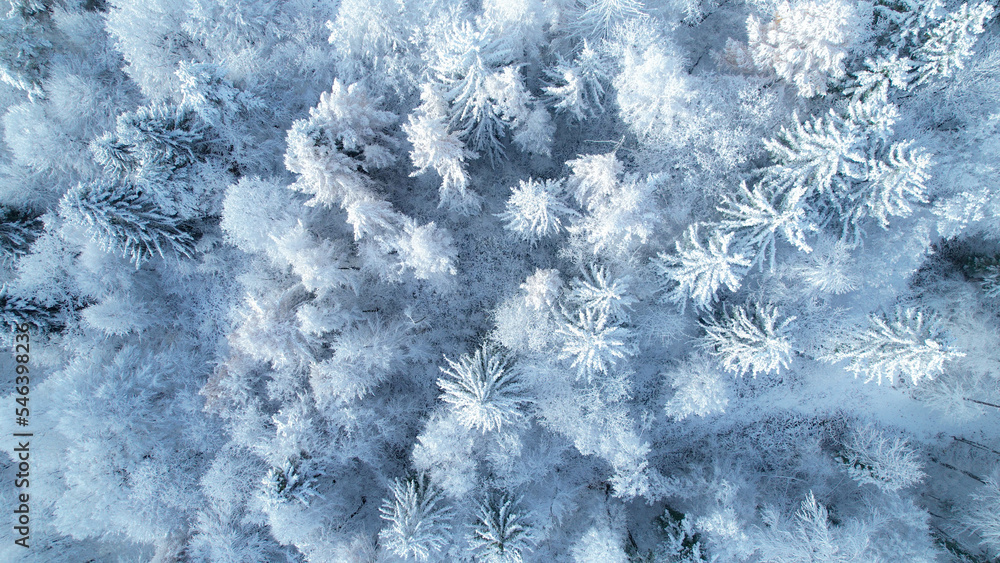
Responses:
[751,339]
[535,210]
[418,519]
[500,534]
[484,390]
[812,536]
[982,517]
[502,280]
[908,342]
[699,273]
[593,342]
[699,389]
[805,44]
[873,458]
[123,219]
[845,169]
[345,135]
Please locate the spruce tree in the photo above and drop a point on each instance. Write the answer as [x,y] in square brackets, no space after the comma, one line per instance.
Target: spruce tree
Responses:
[122,219]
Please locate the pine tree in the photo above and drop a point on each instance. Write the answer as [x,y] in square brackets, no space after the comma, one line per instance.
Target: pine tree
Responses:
[500,534]
[910,18]
[991,281]
[594,177]
[845,169]
[600,17]
[293,480]
[891,185]
[595,291]
[207,91]
[535,131]
[698,273]
[804,44]
[365,353]
[579,87]
[417,519]
[155,143]
[879,76]
[615,225]
[594,342]
[873,458]
[26,50]
[436,146]
[817,156]
[535,209]
[117,157]
[983,514]
[484,89]
[17,231]
[813,537]
[122,219]
[345,134]
[950,42]
[699,389]
[908,341]
[757,216]
[682,544]
[17,310]
[484,390]
[542,289]
[750,339]
[429,250]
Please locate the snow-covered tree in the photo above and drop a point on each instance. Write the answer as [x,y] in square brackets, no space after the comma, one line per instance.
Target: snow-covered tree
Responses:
[874,458]
[429,250]
[17,309]
[681,542]
[17,231]
[594,177]
[578,88]
[131,448]
[757,216]
[699,389]
[417,519]
[600,17]
[542,289]
[656,96]
[698,273]
[908,341]
[598,292]
[365,353]
[501,533]
[436,146]
[535,209]
[846,170]
[593,342]
[983,515]
[812,537]
[750,339]
[622,221]
[879,76]
[600,544]
[484,389]
[123,220]
[805,44]
[346,134]
[28,48]
[293,480]
[481,83]
[155,147]
[950,42]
